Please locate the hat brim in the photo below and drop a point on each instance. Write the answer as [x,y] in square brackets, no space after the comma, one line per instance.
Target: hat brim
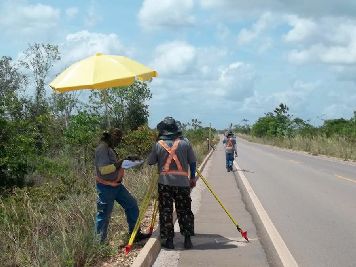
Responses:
[164,132]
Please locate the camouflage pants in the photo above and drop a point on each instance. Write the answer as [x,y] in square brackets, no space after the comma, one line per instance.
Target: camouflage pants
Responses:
[181,197]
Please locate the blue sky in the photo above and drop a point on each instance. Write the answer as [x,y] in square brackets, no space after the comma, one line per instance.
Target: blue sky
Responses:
[220,61]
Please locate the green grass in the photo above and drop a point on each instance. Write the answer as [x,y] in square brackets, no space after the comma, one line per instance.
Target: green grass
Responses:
[53,224]
[335,146]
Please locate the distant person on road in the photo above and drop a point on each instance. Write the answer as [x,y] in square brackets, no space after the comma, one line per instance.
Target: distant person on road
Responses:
[109,187]
[175,156]
[230,149]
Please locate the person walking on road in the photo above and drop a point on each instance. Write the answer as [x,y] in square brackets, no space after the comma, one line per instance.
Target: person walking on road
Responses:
[110,188]
[230,149]
[174,155]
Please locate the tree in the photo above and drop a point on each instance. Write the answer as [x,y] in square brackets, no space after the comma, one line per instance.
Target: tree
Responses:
[137,109]
[63,105]
[11,82]
[124,107]
[39,59]
[276,124]
[195,124]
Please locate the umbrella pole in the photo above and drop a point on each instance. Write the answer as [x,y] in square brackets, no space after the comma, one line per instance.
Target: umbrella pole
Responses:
[107,109]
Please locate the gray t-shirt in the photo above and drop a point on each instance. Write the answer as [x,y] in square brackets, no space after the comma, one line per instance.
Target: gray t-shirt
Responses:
[185,155]
[105,155]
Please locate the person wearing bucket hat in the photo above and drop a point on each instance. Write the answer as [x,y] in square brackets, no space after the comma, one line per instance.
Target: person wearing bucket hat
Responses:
[174,156]
[109,175]
[230,149]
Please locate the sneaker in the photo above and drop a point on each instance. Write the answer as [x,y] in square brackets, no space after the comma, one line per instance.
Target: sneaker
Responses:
[168,244]
[187,242]
[141,236]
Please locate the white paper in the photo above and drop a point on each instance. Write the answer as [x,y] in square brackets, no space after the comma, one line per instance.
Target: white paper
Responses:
[127,164]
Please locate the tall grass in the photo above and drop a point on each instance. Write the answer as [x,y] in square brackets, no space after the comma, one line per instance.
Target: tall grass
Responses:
[339,147]
[53,224]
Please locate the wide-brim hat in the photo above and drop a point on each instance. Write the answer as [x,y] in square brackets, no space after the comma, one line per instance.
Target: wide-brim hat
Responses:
[168,126]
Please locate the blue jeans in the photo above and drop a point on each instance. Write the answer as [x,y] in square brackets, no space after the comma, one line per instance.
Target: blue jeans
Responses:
[229,159]
[105,203]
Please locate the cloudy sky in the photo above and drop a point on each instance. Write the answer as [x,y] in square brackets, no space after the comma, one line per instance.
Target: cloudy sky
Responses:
[220,61]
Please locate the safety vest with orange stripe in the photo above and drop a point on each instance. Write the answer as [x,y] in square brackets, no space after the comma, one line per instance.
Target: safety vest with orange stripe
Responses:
[229,145]
[172,156]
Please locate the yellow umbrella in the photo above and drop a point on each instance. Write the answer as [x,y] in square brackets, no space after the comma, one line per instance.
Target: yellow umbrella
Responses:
[101,72]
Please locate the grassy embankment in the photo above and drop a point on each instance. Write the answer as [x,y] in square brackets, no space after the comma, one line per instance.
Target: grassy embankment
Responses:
[338,147]
[53,224]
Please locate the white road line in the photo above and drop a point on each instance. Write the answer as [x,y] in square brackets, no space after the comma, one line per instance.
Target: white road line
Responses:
[347,179]
[281,248]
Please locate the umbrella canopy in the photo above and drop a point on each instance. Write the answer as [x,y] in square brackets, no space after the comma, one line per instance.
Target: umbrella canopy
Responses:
[101,72]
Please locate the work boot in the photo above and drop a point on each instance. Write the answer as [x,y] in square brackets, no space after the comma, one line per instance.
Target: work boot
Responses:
[187,242]
[141,236]
[168,244]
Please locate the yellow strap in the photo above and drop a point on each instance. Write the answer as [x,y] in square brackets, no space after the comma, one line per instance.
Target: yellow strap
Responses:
[107,169]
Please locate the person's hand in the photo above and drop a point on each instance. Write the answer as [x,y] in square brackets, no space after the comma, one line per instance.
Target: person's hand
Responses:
[118,164]
[133,157]
[236,154]
[192,182]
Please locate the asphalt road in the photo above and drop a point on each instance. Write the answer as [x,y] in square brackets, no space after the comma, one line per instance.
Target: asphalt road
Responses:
[311,201]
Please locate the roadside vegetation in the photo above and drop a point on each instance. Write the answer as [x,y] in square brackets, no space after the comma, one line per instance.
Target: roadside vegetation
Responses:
[47,142]
[335,137]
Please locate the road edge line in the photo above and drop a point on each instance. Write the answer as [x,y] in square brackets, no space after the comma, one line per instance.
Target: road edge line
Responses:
[280,247]
[148,254]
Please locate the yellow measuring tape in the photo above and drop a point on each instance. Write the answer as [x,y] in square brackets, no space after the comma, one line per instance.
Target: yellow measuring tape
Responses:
[243,233]
[142,212]
[154,215]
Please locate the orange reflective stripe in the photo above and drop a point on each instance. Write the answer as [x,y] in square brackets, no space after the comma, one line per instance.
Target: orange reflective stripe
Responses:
[172,156]
[229,143]
[112,183]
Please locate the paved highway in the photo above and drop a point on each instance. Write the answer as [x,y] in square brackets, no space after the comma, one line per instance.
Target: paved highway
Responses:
[311,201]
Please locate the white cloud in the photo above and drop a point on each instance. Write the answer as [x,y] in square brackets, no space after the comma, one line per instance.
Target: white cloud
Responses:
[326,40]
[345,72]
[236,81]
[168,13]
[298,97]
[247,35]
[83,44]
[200,86]
[301,29]
[315,8]
[20,18]
[174,58]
